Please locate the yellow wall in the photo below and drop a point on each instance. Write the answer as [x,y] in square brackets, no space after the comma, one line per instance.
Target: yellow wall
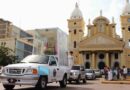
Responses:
[125,24]
[78,25]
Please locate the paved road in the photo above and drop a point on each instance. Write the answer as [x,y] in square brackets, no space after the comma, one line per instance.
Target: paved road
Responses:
[91,85]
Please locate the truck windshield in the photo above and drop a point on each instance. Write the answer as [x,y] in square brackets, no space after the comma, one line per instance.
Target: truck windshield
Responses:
[89,71]
[75,67]
[40,59]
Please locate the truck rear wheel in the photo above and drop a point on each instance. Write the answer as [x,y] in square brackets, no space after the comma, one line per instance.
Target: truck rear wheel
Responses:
[42,83]
[63,83]
[8,87]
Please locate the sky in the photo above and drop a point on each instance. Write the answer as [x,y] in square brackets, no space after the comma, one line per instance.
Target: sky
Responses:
[35,14]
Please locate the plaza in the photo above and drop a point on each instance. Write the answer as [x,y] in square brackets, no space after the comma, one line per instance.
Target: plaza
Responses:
[90,85]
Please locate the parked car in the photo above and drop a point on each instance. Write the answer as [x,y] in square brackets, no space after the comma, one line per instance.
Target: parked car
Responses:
[102,71]
[90,74]
[128,69]
[77,73]
[97,73]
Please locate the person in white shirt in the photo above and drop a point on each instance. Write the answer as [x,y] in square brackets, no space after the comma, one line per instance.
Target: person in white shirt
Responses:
[110,74]
[124,72]
[70,59]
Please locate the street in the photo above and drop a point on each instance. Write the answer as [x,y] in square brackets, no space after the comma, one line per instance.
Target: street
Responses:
[90,85]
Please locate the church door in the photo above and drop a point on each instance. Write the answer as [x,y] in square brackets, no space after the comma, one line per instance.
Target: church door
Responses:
[87,65]
[101,65]
[116,64]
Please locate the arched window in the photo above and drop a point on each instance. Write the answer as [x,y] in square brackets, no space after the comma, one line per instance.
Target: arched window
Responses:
[74,23]
[74,44]
[87,56]
[116,55]
[74,31]
[129,28]
[101,27]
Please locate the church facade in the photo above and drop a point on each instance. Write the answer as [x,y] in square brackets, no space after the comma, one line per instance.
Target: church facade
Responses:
[102,46]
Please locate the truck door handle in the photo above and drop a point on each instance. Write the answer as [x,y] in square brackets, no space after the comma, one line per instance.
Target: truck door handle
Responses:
[57,68]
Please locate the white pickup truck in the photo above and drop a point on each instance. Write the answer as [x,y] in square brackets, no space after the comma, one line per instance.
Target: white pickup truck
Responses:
[36,70]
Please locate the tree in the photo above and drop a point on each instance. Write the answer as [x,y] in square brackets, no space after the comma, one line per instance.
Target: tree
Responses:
[6,56]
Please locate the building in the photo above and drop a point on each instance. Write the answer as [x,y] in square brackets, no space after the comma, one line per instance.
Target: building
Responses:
[102,46]
[16,39]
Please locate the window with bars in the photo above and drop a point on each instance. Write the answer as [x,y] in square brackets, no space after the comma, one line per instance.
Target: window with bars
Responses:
[87,56]
[129,28]
[74,31]
[116,55]
[74,44]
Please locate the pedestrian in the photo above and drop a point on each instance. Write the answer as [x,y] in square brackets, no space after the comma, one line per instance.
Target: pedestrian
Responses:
[106,72]
[110,74]
[115,74]
[124,72]
[70,59]
[118,73]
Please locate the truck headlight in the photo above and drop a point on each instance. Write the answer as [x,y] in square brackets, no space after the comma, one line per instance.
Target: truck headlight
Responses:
[3,70]
[31,71]
[75,73]
[34,71]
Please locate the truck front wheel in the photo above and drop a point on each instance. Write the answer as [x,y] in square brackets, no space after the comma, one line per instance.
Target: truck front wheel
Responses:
[8,87]
[84,80]
[63,83]
[42,83]
[78,80]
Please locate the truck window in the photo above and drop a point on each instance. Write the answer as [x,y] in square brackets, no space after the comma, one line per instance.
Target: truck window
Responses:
[52,61]
[75,67]
[40,59]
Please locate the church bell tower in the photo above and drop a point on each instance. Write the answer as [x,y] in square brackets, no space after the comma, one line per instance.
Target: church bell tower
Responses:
[76,31]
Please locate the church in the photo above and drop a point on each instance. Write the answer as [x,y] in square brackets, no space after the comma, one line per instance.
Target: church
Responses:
[101,46]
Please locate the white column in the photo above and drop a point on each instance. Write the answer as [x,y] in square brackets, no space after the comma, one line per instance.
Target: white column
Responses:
[93,61]
[107,59]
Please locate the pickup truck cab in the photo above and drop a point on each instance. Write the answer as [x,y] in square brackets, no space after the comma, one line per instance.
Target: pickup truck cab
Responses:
[77,73]
[36,70]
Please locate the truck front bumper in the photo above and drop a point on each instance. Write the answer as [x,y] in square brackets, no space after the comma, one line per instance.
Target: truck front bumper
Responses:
[73,77]
[19,80]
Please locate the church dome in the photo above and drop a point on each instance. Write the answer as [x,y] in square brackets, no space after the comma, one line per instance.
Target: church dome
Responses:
[100,19]
[126,9]
[76,14]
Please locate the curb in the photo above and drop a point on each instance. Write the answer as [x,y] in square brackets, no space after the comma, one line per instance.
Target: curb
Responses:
[115,82]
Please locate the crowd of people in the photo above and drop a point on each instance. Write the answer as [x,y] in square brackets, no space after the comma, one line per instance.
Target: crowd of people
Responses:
[115,73]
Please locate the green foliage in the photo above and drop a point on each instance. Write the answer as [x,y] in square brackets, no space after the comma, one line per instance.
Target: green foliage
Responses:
[6,56]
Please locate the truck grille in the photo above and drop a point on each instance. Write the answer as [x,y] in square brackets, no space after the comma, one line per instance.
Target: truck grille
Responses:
[15,71]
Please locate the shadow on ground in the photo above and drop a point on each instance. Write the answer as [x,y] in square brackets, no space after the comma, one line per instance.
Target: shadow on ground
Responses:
[57,88]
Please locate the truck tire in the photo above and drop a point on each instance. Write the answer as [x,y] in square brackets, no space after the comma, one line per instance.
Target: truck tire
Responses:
[78,80]
[70,81]
[84,80]
[8,87]
[63,83]
[42,83]
[94,77]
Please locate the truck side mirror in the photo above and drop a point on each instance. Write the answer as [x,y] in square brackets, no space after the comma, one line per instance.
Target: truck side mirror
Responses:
[82,69]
